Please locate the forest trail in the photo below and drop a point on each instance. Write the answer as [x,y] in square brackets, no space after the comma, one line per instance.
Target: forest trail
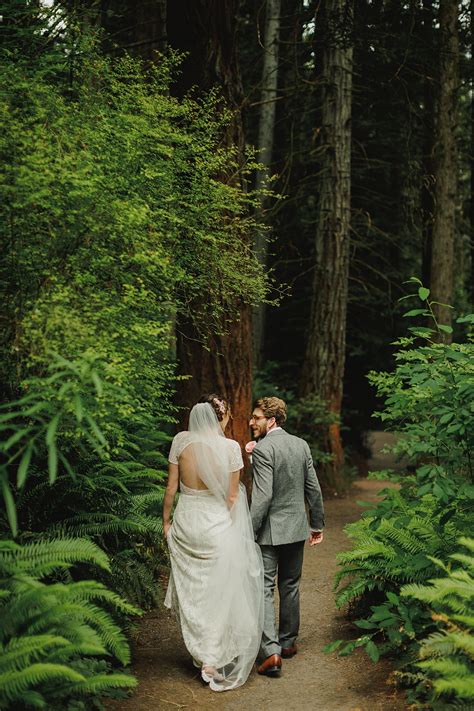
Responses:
[311,681]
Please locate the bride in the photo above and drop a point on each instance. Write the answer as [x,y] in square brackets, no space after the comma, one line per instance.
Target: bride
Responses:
[216,582]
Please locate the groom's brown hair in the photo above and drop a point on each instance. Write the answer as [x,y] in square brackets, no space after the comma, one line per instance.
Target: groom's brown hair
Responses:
[273,407]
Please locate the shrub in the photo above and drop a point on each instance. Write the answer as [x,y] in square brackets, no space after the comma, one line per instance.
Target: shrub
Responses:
[447,655]
[400,542]
[48,629]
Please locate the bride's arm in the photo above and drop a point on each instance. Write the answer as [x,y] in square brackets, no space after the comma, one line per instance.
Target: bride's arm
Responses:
[170,493]
[233,489]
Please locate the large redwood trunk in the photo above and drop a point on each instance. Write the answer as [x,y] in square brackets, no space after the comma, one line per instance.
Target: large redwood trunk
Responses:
[323,367]
[223,363]
[446,165]
[205,30]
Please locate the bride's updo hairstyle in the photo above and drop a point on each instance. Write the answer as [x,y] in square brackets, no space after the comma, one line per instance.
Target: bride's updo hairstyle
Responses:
[219,404]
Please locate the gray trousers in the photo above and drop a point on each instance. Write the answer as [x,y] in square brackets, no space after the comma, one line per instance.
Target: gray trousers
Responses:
[286,561]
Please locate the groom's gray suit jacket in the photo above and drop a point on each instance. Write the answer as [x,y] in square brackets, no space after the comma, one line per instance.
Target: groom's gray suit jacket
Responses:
[283,479]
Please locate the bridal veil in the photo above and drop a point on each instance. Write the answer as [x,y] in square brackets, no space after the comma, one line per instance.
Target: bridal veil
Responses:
[231,603]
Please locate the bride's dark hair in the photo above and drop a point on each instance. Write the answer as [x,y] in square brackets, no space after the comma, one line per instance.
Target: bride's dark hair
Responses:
[219,404]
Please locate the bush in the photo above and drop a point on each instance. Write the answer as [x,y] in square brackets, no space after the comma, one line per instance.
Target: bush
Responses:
[401,541]
[49,629]
[447,655]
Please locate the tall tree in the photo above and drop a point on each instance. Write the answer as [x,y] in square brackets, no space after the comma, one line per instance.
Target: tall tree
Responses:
[323,367]
[137,27]
[446,163]
[471,162]
[206,30]
[266,129]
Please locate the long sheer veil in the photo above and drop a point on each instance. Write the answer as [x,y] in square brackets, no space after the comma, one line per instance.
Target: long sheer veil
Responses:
[234,599]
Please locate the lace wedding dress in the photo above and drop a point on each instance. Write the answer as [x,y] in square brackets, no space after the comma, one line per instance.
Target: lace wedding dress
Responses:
[216,582]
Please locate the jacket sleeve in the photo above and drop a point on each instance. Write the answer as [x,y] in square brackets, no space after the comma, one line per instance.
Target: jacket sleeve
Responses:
[312,492]
[262,487]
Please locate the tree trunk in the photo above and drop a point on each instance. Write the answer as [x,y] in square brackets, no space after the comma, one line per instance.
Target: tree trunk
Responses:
[446,164]
[223,363]
[427,188]
[137,26]
[323,367]
[266,130]
[471,161]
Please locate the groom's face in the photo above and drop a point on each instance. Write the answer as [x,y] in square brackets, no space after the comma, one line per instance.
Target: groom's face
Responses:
[259,423]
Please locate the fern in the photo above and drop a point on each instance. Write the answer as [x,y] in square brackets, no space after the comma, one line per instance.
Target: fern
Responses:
[447,655]
[47,628]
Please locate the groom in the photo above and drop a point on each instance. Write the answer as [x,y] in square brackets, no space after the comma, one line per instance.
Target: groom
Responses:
[283,479]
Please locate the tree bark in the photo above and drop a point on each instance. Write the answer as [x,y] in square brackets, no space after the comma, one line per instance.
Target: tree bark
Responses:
[223,363]
[323,367]
[446,164]
[266,130]
[427,188]
[136,26]
[471,161]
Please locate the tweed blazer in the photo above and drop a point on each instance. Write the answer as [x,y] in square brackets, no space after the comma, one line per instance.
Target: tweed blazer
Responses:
[284,479]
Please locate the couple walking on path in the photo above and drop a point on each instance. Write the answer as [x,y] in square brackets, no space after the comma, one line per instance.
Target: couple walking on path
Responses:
[225,558]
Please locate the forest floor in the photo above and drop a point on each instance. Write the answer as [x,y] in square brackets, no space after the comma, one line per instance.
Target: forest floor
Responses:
[310,681]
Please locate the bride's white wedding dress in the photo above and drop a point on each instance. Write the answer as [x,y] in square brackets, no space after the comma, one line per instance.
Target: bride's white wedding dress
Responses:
[216,582]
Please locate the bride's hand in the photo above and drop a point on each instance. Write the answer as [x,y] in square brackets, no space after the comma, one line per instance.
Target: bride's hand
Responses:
[166,528]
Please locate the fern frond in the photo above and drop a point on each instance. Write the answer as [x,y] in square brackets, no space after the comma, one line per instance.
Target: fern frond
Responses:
[13,684]
[101,683]
[462,688]
[23,651]
[47,556]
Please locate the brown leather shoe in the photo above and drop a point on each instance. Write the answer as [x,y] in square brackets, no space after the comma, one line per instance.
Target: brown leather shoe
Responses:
[288,652]
[271,666]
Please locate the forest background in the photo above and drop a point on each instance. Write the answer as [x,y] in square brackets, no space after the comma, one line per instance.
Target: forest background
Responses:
[220,196]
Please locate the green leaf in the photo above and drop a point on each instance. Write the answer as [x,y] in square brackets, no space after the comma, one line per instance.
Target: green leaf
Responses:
[9,504]
[52,462]
[332,646]
[372,651]
[97,382]
[421,330]
[416,312]
[16,437]
[365,624]
[423,293]
[78,407]
[444,328]
[95,429]
[67,466]
[51,431]
[24,465]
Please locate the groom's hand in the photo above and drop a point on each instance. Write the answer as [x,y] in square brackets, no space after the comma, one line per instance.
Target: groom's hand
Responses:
[315,537]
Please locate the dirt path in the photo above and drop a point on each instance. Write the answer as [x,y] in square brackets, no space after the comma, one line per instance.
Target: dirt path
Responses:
[311,681]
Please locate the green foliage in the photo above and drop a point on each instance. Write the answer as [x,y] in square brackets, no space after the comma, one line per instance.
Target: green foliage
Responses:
[124,225]
[61,407]
[429,399]
[400,542]
[110,491]
[447,655]
[47,628]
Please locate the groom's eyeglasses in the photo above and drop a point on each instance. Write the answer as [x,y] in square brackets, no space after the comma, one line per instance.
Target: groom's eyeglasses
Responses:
[256,418]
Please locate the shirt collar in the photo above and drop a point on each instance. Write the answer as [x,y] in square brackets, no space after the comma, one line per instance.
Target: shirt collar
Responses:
[274,429]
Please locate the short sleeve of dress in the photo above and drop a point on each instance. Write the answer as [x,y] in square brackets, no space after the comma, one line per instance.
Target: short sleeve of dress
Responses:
[176,447]
[235,456]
